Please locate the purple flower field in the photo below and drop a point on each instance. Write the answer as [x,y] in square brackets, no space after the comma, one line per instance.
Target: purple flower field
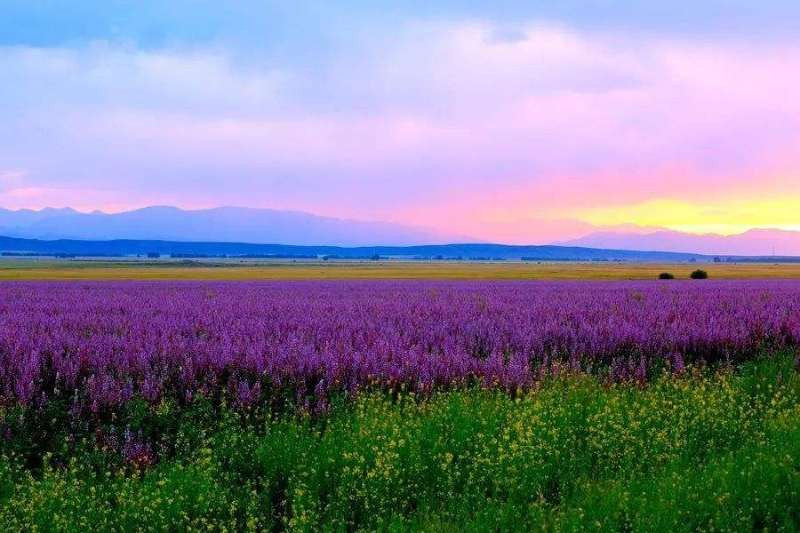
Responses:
[101,343]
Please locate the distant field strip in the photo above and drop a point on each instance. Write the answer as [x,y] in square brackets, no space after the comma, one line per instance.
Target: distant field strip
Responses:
[77,270]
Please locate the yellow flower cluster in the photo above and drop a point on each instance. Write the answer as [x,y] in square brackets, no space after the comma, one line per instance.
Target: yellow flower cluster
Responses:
[702,451]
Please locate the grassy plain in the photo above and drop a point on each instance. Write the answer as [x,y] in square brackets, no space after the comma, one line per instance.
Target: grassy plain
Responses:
[708,450]
[163,270]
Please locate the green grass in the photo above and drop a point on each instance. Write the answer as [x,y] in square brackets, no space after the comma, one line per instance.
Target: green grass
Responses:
[706,451]
[21,269]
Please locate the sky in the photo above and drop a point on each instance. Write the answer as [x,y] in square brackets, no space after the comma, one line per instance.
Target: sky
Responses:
[511,121]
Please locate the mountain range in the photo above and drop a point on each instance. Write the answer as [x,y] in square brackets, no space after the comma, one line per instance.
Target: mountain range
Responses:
[222,224]
[11,246]
[755,242]
[271,226]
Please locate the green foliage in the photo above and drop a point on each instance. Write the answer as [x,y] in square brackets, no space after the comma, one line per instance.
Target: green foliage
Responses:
[666,275]
[707,450]
[699,274]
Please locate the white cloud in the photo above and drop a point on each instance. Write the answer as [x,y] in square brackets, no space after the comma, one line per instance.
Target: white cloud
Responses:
[394,121]
[10,179]
[101,76]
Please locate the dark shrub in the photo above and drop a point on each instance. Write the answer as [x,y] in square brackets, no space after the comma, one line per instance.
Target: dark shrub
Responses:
[699,274]
[666,275]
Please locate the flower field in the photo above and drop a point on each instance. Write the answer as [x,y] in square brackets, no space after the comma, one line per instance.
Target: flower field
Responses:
[400,405]
[100,344]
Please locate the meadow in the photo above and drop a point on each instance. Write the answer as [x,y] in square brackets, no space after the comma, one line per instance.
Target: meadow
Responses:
[48,269]
[702,451]
[400,405]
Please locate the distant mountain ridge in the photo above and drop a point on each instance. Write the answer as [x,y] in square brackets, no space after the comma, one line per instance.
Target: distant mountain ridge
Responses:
[755,242]
[467,251]
[275,227]
[221,224]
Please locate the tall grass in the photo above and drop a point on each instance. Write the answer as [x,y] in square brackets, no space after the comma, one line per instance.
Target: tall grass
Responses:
[707,450]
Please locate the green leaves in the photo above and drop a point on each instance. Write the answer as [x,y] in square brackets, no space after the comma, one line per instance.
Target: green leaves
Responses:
[705,450]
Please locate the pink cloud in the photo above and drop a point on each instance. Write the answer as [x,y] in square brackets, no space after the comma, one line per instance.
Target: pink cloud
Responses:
[443,125]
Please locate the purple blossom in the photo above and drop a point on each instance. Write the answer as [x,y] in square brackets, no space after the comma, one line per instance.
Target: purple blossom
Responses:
[102,343]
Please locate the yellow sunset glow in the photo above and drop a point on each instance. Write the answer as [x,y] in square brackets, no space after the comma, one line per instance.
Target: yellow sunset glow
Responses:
[725,218]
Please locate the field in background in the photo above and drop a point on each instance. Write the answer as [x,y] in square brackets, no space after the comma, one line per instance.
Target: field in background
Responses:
[224,270]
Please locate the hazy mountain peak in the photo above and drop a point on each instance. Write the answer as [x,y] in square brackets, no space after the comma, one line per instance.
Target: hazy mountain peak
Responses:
[222,224]
[57,210]
[757,241]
